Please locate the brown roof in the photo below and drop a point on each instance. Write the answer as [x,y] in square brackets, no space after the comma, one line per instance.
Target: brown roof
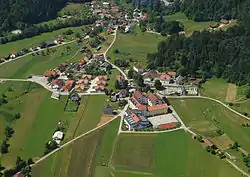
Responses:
[49,73]
[138,94]
[152,74]
[165,77]
[157,107]
[152,97]
[19,174]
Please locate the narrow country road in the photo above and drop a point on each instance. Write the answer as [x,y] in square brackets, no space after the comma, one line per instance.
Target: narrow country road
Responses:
[220,102]
[30,53]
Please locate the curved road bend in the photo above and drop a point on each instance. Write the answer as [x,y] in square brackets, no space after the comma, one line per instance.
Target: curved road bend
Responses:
[220,102]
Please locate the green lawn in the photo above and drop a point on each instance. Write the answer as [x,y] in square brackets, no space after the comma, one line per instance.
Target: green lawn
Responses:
[174,154]
[38,64]
[243,107]
[215,88]
[135,45]
[189,25]
[29,42]
[206,116]
[40,118]
[85,157]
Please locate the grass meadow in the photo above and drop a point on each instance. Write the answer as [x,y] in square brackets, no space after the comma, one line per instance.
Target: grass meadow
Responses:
[135,45]
[206,116]
[29,42]
[189,25]
[38,64]
[39,119]
[88,156]
[166,155]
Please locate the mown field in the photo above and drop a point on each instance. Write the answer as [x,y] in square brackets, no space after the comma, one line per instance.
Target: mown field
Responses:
[215,88]
[88,156]
[38,64]
[206,117]
[29,42]
[39,118]
[189,25]
[135,45]
[166,155]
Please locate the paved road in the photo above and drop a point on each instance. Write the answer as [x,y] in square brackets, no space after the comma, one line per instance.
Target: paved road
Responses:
[220,102]
[121,114]
[30,53]
[236,167]
[105,56]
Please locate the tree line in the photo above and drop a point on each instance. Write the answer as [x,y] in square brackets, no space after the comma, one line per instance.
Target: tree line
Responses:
[205,54]
[20,14]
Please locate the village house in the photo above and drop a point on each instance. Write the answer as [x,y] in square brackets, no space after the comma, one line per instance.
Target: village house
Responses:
[150,77]
[57,137]
[134,121]
[208,142]
[57,84]
[87,76]
[69,84]
[157,109]
[172,74]
[154,99]
[165,79]
[100,88]
[142,99]
[123,93]
[50,73]
[138,68]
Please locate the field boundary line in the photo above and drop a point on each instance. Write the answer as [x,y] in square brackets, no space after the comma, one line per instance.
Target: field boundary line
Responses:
[80,136]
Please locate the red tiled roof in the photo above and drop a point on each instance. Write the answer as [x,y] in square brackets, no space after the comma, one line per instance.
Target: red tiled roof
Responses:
[100,87]
[135,117]
[167,126]
[152,74]
[165,77]
[207,141]
[171,73]
[87,76]
[157,107]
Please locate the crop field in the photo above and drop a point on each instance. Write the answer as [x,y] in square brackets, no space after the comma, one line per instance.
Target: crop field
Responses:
[36,65]
[39,118]
[243,107]
[174,154]
[135,45]
[206,116]
[85,157]
[189,25]
[29,42]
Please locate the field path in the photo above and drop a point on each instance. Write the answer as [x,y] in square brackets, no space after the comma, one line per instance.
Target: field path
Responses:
[80,136]
[231,93]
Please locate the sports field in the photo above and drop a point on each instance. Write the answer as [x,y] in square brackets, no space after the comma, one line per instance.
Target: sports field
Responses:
[206,116]
[86,157]
[166,155]
[135,45]
[37,64]
[39,119]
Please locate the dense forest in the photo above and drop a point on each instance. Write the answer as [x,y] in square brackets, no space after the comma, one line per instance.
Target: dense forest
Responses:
[223,54]
[204,10]
[17,14]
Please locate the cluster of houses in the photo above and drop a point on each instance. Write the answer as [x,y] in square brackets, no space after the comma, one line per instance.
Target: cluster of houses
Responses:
[174,84]
[35,48]
[112,15]
[87,75]
[146,107]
